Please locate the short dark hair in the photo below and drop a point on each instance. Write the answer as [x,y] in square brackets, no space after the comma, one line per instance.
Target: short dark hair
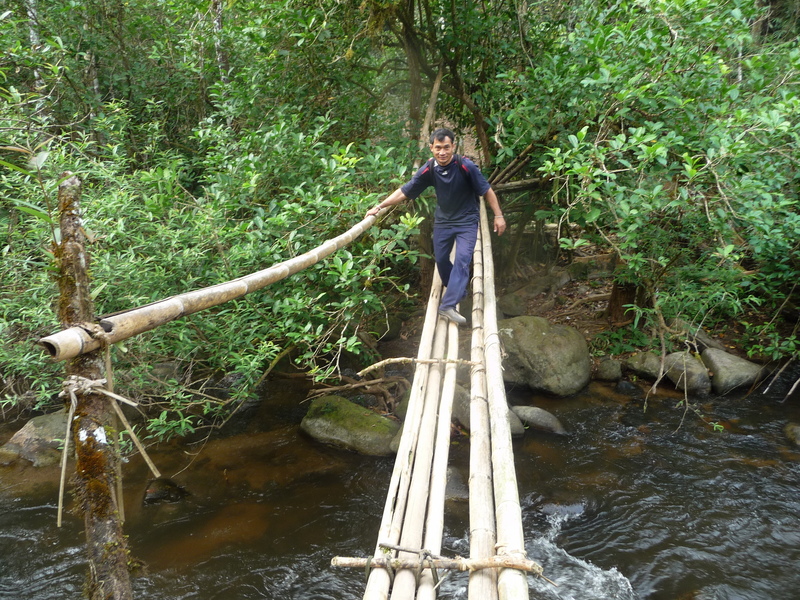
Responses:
[442,133]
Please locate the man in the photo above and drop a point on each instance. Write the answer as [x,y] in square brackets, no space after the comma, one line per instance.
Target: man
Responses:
[458,183]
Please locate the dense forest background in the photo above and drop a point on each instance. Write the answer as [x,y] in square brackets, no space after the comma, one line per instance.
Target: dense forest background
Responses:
[216,138]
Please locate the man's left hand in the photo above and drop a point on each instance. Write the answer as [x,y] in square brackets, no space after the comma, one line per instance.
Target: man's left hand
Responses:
[499,225]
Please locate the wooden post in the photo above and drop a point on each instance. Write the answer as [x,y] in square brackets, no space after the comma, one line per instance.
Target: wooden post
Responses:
[92,427]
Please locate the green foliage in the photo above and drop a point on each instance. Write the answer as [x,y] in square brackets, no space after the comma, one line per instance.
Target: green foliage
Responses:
[624,340]
[672,134]
[214,145]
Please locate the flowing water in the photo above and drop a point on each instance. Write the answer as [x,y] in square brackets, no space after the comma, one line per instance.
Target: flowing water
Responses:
[633,504]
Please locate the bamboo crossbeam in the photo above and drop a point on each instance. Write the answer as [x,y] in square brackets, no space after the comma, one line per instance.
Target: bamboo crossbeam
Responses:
[77,340]
[445,564]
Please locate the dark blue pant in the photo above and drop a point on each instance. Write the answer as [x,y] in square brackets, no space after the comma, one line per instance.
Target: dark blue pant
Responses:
[455,274]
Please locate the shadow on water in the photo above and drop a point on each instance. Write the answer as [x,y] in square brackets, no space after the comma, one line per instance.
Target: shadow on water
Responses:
[633,504]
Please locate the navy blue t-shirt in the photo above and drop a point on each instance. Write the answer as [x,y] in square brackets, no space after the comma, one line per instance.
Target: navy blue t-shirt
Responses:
[456,193]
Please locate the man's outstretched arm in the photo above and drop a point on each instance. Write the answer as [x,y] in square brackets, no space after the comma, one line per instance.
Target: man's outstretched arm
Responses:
[395,197]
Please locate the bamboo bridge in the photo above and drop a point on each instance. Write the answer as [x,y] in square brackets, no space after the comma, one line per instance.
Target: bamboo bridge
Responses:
[405,564]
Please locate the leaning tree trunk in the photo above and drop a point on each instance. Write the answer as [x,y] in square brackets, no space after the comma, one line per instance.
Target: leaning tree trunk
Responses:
[92,427]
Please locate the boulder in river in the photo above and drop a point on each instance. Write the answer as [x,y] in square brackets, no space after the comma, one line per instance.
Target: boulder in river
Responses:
[688,373]
[729,372]
[548,358]
[539,418]
[792,431]
[337,421]
[644,364]
[39,441]
[462,413]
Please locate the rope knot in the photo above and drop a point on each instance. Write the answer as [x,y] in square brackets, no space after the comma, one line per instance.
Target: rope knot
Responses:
[75,384]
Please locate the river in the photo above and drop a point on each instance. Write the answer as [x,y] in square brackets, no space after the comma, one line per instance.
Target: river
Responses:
[634,504]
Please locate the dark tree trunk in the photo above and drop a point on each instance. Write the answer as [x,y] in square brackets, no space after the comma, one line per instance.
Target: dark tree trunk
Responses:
[415,78]
[623,295]
[93,428]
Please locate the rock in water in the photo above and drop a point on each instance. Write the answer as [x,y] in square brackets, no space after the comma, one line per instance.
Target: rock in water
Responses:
[540,419]
[163,490]
[548,358]
[792,431]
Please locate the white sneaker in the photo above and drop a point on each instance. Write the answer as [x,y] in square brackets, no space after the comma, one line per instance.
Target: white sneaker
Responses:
[451,315]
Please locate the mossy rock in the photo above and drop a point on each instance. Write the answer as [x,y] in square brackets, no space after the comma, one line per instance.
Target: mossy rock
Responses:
[337,421]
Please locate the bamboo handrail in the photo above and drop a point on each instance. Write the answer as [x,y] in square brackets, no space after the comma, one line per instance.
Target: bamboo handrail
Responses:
[74,341]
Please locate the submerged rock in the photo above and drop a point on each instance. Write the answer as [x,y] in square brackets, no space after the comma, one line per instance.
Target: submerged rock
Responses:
[163,490]
[540,419]
[337,421]
[792,431]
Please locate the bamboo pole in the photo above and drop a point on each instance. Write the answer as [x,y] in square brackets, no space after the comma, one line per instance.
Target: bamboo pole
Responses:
[512,584]
[434,524]
[76,340]
[379,582]
[482,534]
[405,581]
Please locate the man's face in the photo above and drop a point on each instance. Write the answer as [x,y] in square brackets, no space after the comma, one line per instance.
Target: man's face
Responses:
[443,150]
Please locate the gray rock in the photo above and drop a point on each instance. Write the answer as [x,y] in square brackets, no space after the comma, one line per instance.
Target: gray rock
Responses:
[461,407]
[461,413]
[792,431]
[515,424]
[512,305]
[39,441]
[457,489]
[608,369]
[729,372]
[688,373]
[337,421]
[644,364]
[539,418]
[548,358]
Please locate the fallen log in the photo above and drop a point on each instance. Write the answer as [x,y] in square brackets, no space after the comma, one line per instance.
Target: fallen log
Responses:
[92,428]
